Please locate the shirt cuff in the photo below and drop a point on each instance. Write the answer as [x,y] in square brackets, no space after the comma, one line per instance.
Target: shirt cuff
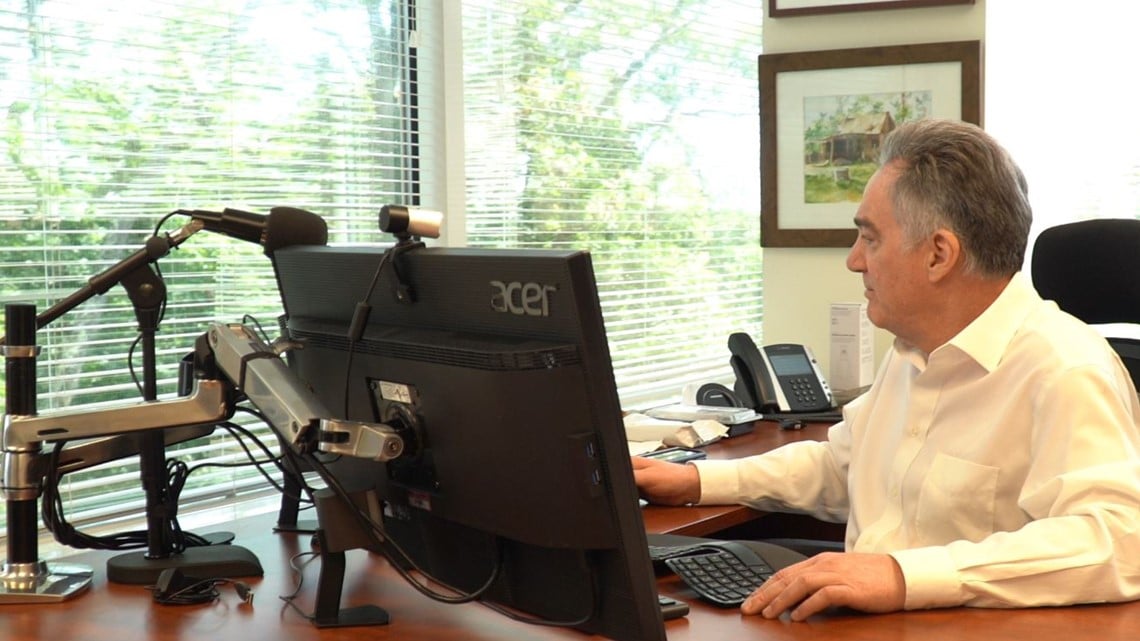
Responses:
[931,578]
[720,481]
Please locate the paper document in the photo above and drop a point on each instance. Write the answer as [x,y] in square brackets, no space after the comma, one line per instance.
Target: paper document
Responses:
[686,412]
[646,433]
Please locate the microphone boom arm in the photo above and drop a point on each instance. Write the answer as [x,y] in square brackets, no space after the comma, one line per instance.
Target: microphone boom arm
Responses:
[155,248]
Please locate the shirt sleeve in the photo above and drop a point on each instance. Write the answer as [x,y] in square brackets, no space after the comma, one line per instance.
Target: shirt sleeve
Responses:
[1083,542]
[808,477]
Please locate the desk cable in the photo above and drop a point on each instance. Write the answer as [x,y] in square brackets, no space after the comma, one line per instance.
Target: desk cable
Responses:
[175,588]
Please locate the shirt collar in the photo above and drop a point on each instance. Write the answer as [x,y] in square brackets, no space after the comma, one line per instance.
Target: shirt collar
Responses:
[985,339]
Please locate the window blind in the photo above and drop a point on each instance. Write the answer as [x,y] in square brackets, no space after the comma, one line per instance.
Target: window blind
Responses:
[116,113]
[628,128]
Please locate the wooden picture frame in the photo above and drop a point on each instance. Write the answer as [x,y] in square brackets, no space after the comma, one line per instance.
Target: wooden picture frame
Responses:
[786,8]
[822,118]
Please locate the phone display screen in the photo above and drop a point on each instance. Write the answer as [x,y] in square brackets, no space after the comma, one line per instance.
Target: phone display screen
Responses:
[790,364]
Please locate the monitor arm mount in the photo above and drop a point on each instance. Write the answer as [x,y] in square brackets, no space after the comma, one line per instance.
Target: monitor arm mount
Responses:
[255,368]
[231,363]
[24,577]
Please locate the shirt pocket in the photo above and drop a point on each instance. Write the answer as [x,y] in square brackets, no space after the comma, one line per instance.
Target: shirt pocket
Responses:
[956,501]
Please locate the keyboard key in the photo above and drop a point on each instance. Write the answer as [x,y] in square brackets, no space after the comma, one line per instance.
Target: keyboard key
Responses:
[724,573]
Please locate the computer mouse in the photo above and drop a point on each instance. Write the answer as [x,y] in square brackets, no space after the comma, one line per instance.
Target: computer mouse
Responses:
[791,424]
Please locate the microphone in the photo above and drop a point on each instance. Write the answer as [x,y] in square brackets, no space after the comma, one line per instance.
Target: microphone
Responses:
[282,227]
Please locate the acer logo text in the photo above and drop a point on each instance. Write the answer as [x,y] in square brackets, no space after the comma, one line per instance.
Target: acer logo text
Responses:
[521,299]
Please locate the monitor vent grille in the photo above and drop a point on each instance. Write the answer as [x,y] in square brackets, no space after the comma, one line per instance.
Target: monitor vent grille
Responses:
[528,357]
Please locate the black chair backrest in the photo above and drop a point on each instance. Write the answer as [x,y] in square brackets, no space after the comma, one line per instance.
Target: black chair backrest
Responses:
[1129,350]
[1091,269]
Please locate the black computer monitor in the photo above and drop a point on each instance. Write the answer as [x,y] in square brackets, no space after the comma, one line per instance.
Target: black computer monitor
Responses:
[495,362]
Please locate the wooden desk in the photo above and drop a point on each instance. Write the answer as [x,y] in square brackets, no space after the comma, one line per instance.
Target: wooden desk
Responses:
[110,612]
[707,520]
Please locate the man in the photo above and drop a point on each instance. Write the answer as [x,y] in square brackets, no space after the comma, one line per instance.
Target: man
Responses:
[995,461]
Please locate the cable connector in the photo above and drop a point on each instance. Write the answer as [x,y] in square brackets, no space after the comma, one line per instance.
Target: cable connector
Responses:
[175,588]
[244,592]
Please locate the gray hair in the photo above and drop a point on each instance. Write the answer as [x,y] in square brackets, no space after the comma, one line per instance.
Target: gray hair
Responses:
[954,175]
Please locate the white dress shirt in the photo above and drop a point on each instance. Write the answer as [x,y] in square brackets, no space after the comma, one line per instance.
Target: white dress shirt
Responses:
[1002,471]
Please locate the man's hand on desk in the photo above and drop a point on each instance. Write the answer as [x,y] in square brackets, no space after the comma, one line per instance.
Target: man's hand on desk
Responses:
[867,582]
[666,483]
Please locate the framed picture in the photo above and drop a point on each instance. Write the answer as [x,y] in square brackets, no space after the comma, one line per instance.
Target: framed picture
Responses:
[823,116]
[784,8]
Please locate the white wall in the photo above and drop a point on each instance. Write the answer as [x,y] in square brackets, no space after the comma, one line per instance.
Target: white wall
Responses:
[800,284]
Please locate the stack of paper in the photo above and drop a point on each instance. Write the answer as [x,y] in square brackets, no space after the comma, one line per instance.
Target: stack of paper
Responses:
[685,412]
[646,433]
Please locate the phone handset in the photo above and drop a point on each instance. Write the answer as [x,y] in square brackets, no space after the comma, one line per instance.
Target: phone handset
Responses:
[754,382]
[778,378]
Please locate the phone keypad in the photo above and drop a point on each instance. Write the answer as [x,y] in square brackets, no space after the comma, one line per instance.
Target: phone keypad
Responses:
[803,390]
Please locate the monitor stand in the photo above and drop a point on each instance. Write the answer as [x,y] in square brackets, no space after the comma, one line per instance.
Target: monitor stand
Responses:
[291,501]
[203,562]
[339,532]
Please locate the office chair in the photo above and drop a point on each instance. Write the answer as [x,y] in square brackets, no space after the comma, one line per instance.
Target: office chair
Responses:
[1091,269]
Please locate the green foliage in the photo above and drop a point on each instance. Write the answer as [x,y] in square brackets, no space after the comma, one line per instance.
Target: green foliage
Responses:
[593,176]
[117,115]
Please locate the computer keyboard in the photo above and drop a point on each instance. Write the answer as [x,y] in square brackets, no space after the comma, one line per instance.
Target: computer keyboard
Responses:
[660,553]
[724,572]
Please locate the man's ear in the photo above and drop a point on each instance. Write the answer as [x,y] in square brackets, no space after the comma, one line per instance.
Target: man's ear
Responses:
[945,254]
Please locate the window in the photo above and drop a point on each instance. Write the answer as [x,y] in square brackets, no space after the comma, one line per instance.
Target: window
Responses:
[631,129]
[1060,97]
[118,112]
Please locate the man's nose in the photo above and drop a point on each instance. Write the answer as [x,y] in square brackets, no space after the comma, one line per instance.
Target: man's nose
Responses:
[855,257]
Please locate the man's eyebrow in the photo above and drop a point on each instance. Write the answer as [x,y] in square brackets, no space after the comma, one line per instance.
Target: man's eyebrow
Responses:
[863,223]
